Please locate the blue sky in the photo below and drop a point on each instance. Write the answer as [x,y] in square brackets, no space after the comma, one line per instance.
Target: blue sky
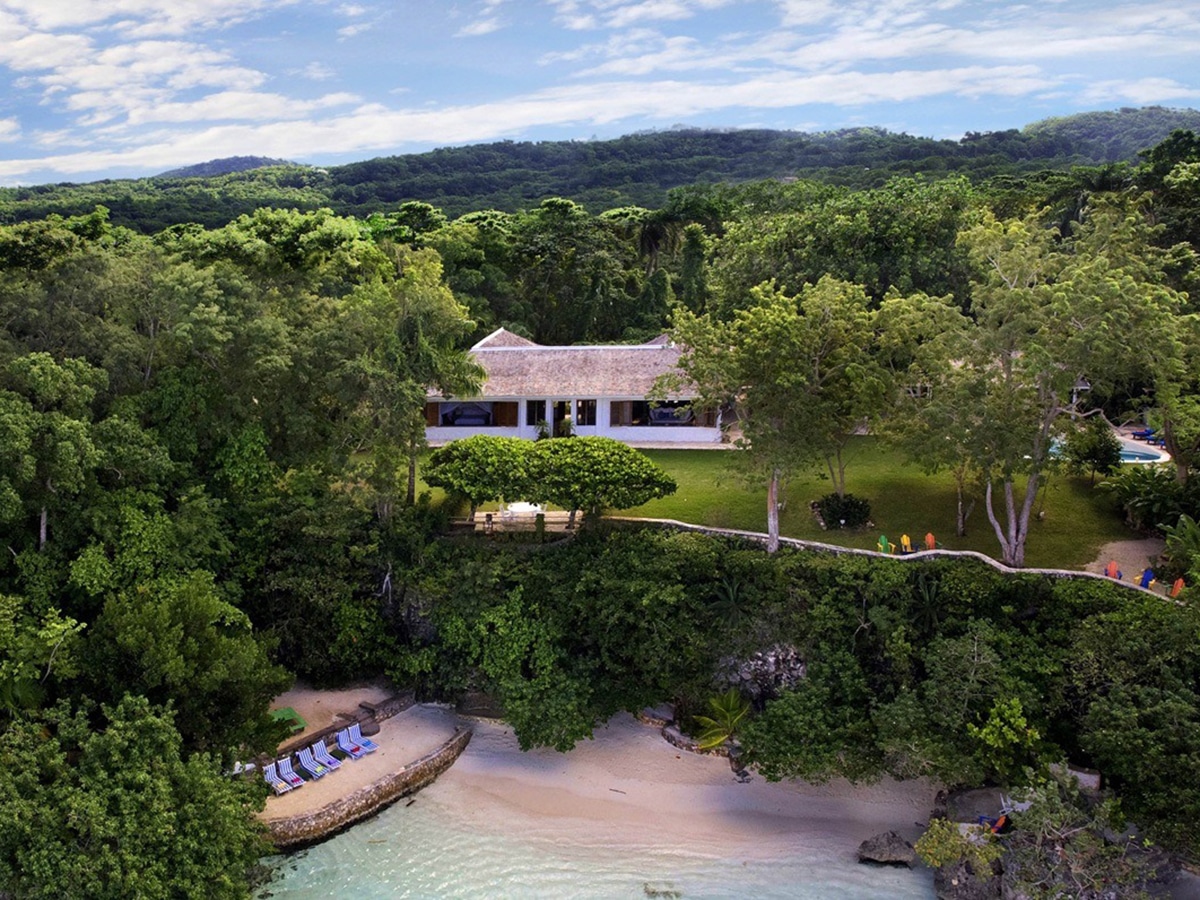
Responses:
[125,88]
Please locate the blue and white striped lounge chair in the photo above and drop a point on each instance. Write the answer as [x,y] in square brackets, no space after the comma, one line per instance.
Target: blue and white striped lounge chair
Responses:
[348,746]
[271,777]
[288,774]
[356,736]
[311,766]
[322,755]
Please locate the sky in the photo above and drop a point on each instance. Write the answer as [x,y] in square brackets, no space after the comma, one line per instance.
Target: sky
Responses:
[127,88]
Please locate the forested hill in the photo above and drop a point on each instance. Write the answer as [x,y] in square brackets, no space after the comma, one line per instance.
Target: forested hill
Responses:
[634,170]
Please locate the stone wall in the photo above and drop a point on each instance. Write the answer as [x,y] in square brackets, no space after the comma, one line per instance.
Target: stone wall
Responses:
[835,550]
[317,825]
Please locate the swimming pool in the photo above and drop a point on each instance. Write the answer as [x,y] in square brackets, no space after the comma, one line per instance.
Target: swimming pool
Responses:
[1133,454]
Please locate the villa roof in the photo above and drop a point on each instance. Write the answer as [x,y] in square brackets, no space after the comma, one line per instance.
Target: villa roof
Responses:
[517,367]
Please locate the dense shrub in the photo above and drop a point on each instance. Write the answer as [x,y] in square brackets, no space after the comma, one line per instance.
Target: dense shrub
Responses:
[844,511]
[1152,497]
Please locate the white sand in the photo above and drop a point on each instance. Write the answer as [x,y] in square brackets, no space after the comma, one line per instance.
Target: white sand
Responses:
[630,787]
[402,739]
[627,787]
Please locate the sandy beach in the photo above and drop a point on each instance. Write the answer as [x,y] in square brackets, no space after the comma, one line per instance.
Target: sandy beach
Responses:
[629,786]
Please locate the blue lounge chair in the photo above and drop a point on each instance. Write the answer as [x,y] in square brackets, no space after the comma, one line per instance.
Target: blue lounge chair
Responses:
[288,774]
[1142,434]
[356,736]
[322,755]
[311,766]
[347,746]
[271,777]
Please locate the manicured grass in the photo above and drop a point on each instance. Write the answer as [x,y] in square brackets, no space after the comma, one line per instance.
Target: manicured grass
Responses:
[1077,518]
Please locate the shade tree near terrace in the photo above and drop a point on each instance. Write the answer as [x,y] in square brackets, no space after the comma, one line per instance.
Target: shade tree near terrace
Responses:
[804,372]
[578,473]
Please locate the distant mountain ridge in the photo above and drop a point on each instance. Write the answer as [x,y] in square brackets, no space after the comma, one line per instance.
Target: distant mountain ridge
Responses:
[638,169]
[224,167]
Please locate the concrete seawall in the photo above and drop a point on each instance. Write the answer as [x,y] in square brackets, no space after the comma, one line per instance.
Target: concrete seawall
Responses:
[316,825]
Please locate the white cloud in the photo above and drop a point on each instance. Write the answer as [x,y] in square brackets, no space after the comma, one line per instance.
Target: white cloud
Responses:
[245,105]
[317,71]
[579,15]
[374,128]
[10,130]
[139,18]
[1142,91]
[479,27]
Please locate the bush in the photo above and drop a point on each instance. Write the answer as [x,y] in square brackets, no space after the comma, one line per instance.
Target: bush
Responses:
[845,511]
[1152,497]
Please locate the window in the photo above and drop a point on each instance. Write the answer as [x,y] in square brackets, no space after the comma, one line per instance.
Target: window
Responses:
[585,412]
[535,411]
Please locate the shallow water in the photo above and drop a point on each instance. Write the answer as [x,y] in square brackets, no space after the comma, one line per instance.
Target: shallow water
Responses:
[436,848]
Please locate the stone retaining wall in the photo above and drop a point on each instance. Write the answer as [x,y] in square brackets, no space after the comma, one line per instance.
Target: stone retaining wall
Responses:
[836,550]
[317,825]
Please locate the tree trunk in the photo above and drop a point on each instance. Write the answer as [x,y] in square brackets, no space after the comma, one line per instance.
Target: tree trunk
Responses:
[1015,529]
[773,512]
[43,524]
[571,519]
[960,518]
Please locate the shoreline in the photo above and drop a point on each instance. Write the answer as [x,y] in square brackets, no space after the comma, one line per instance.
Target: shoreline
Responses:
[629,787]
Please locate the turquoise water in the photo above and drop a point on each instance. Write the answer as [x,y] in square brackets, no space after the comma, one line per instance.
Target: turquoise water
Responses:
[434,848]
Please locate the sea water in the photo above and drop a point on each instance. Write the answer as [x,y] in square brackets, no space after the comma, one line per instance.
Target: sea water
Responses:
[430,846]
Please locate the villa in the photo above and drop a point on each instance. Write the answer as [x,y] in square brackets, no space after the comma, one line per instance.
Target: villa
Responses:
[584,390]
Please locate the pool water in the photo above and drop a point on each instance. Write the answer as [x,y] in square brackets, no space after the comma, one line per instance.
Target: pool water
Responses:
[432,847]
[1134,455]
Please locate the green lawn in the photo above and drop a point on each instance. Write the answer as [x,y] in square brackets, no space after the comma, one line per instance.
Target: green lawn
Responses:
[1078,519]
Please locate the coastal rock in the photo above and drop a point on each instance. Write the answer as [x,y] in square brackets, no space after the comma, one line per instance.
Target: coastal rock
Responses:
[888,848]
[766,674]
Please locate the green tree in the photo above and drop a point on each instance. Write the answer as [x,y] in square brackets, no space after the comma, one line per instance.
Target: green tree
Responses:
[820,730]
[1046,321]
[45,436]
[172,639]
[480,468]
[34,652]
[1093,448]
[405,335]
[593,474]
[122,811]
[804,373]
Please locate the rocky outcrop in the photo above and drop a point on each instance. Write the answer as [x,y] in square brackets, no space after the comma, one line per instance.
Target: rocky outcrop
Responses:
[889,849]
[317,825]
[765,674]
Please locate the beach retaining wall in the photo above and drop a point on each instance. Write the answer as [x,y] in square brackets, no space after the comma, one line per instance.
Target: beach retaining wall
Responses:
[316,825]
